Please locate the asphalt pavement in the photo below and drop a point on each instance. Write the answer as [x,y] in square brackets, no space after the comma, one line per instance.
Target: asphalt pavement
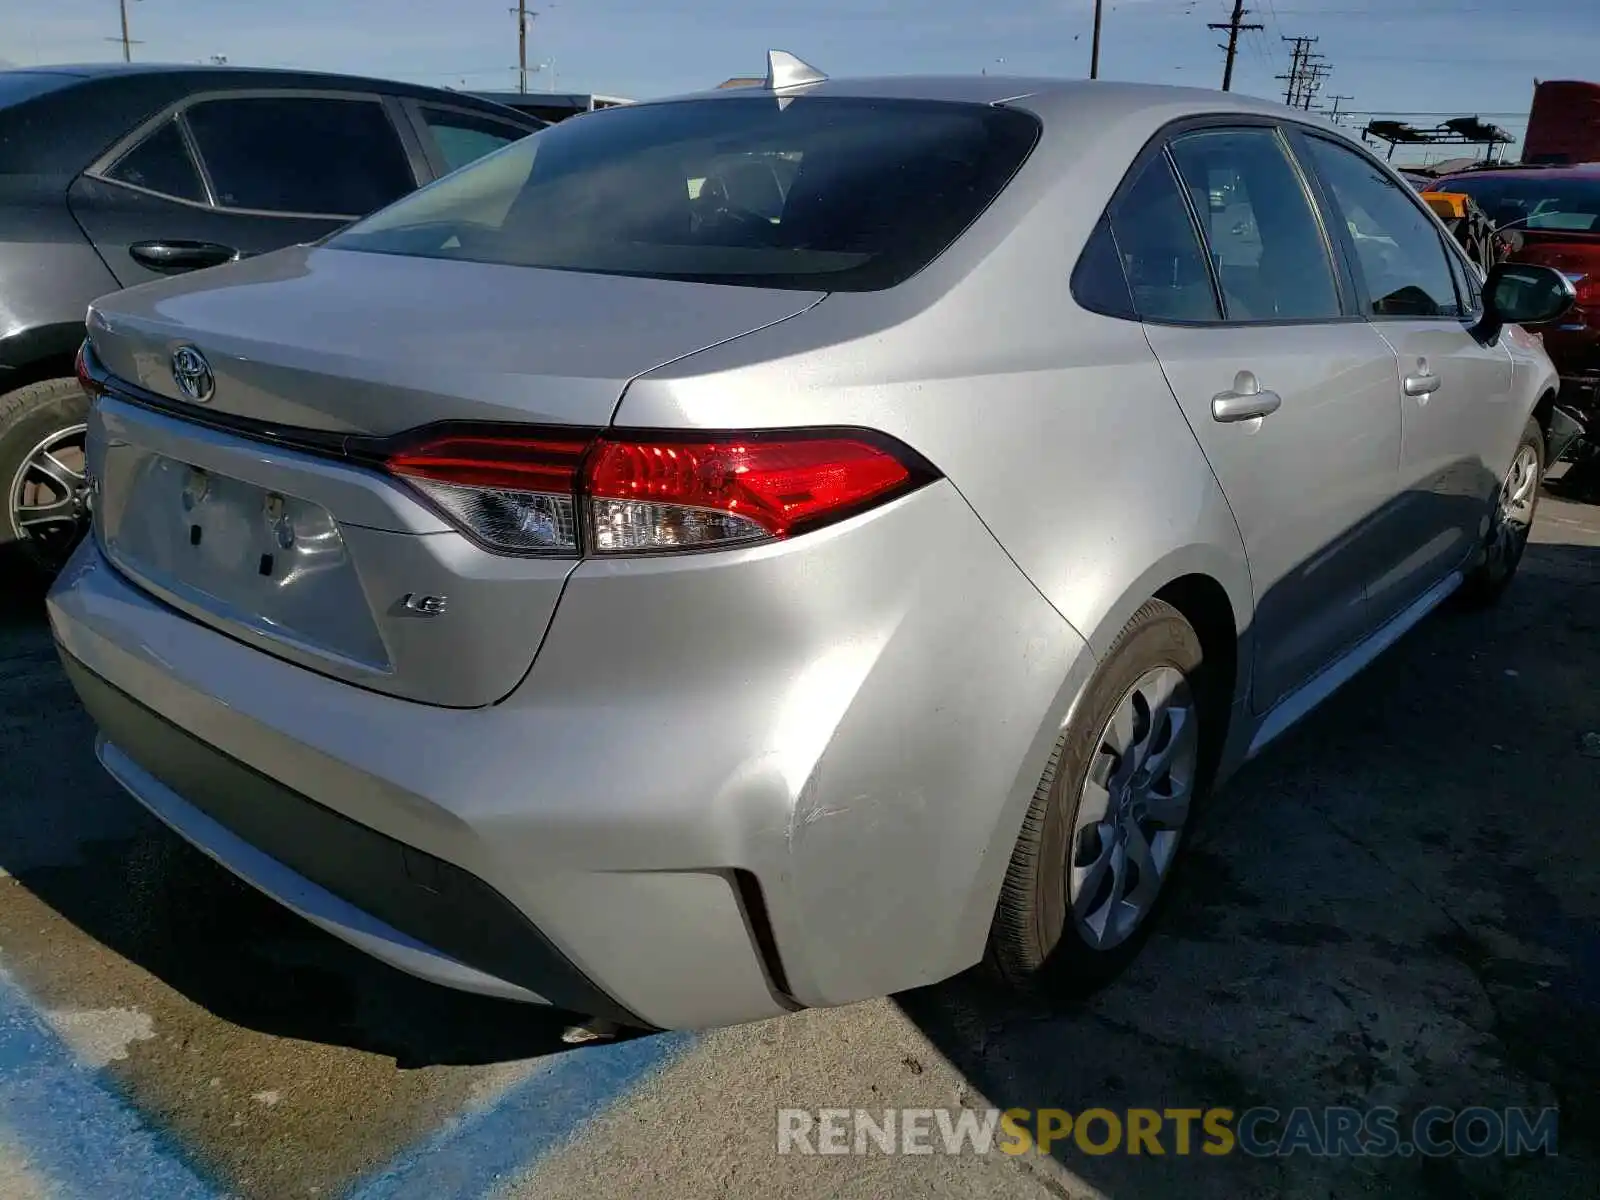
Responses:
[1398,904]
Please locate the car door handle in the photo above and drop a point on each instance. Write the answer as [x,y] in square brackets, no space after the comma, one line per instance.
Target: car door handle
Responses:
[1243,404]
[1421,384]
[174,257]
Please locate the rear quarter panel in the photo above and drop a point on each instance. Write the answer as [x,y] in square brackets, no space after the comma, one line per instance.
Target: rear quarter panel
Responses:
[1058,429]
[1057,425]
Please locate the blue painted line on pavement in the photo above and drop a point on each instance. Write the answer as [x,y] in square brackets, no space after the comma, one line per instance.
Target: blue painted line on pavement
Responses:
[490,1147]
[73,1124]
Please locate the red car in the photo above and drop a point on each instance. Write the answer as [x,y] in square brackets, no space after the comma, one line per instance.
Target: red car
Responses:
[1551,215]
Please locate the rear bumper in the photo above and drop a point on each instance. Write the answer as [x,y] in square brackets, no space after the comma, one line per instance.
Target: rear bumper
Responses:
[730,784]
[400,904]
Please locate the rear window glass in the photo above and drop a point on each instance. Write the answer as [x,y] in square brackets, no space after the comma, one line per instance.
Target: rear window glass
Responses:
[1557,201]
[825,193]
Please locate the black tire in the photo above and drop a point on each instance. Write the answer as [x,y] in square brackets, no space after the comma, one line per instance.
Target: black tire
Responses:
[1506,539]
[1036,947]
[28,417]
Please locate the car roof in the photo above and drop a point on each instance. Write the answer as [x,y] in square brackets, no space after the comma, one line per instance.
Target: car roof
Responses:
[62,130]
[1038,91]
[241,76]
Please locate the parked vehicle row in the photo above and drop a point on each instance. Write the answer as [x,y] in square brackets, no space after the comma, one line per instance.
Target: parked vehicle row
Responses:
[786,545]
[1550,215]
[111,176]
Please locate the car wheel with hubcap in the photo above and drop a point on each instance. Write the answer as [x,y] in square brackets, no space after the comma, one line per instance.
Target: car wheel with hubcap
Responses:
[1109,818]
[1510,520]
[45,508]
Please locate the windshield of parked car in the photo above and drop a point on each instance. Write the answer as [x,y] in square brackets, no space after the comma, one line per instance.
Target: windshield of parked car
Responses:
[1557,201]
[823,193]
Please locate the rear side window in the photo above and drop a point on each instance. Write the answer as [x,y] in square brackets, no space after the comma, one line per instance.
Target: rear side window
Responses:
[1161,256]
[1266,246]
[466,137]
[818,192]
[161,163]
[301,154]
[1098,283]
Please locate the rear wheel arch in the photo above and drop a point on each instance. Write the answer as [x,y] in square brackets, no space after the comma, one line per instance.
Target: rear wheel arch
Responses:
[1211,607]
[1205,604]
[38,353]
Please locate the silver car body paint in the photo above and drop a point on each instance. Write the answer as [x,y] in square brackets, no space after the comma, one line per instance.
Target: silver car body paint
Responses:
[856,718]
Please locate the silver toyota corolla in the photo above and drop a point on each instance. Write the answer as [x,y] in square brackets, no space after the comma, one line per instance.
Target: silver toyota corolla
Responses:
[784,546]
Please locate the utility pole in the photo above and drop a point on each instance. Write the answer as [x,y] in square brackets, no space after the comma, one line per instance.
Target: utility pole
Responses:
[1094,51]
[1233,25]
[525,17]
[128,43]
[1302,73]
[1315,73]
[1333,115]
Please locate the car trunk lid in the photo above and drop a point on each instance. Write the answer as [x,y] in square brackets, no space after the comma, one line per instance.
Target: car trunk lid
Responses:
[365,343]
[243,509]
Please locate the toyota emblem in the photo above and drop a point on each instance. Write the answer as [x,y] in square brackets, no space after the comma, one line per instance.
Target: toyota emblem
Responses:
[192,373]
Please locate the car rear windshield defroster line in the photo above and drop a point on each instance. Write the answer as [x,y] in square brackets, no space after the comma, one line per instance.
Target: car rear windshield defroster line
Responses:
[824,193]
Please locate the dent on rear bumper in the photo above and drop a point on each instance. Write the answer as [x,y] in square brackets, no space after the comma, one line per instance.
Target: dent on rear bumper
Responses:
[857,719]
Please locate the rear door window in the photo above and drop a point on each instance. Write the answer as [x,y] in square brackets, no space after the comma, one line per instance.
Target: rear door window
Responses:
[301,154]
[1161,253]
[462,137]
[817,192]
[161,163]
[1398,249]
[1266,246]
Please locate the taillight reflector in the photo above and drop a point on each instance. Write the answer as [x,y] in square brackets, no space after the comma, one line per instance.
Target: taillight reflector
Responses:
[514,494]
[649,493]
[80,368]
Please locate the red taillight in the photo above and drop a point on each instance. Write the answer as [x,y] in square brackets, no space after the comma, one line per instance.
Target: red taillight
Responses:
[653,495]
[515,463]
[649,493]
[1587,286]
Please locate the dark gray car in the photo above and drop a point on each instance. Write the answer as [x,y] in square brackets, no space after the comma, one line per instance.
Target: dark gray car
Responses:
[112,176]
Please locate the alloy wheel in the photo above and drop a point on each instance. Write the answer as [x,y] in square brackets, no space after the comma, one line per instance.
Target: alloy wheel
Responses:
[47,499]
[1133,807]
[1513,517]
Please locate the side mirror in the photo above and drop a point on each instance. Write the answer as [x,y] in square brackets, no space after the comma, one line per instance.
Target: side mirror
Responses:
[1526,294]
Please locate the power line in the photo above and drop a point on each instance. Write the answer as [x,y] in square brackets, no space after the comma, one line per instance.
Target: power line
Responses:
[1272,15]
[1233,25]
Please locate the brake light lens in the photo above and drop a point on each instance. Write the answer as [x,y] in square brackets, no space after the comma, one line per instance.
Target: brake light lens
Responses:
[1587,287]
[649,493]
[646,496]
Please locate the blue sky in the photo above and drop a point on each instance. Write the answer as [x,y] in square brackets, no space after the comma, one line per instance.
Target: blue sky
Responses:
[1420,56]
